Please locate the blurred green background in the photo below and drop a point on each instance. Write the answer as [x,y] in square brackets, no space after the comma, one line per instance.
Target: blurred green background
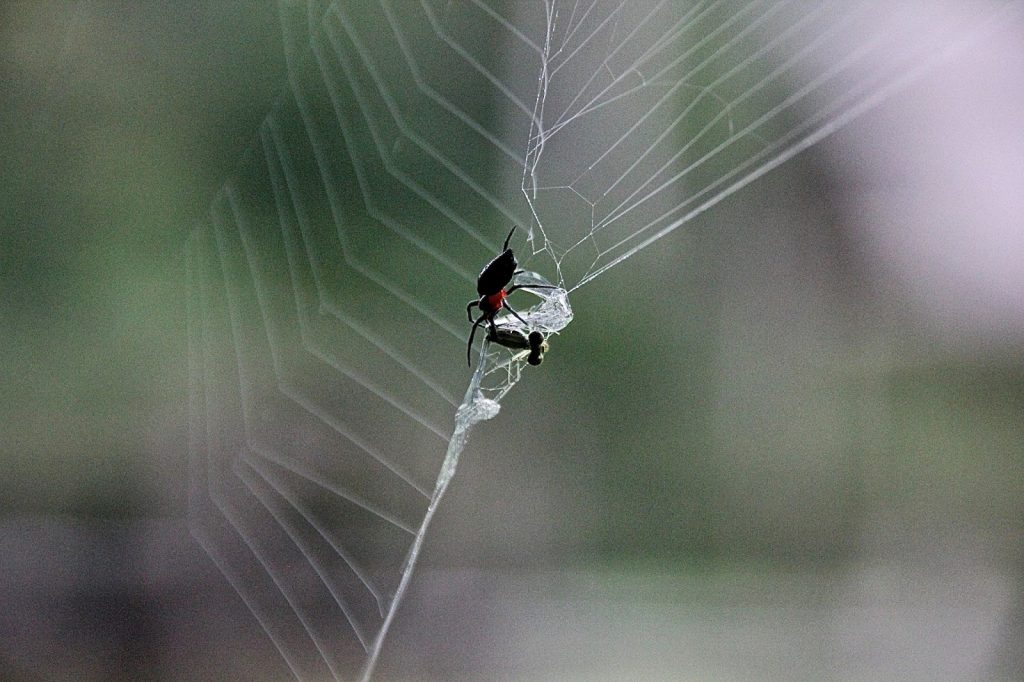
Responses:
[120,120]
[754,448]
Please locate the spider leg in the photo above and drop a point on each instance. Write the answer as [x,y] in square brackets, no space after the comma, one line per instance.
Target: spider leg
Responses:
[471,305]
[520,272]
[508,238]
[530,286]
[472,333]
[514,313]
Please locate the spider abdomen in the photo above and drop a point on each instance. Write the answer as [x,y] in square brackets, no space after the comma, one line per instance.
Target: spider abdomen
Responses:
[496,274]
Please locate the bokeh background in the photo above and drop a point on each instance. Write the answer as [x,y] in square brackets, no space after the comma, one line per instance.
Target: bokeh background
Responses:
[786,442]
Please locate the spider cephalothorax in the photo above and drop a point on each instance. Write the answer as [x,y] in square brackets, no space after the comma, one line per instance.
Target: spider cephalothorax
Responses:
[490,285]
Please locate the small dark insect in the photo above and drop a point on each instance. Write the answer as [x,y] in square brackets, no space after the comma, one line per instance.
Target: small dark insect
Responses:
[511,337]
[490,285]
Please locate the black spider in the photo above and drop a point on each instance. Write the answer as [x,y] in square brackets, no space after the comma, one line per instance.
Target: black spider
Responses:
[490,285]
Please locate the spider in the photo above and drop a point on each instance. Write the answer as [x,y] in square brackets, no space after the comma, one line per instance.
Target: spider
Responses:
[490,284]
[510,337]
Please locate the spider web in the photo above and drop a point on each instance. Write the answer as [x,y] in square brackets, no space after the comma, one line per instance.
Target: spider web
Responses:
[326,284]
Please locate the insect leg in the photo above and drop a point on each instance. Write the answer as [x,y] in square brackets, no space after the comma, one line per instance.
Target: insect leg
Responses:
[470,306]
[508,238]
